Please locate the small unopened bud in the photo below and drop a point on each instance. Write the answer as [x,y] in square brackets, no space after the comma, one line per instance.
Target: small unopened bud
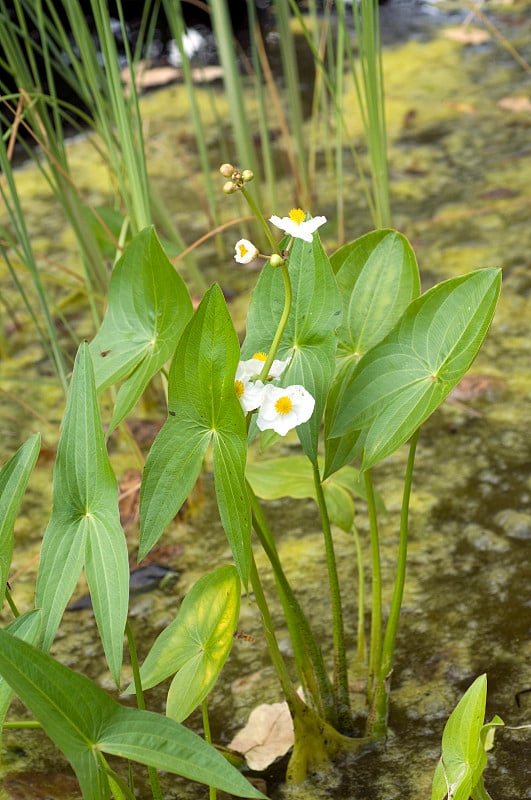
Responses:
[247,175]
[276,260]
[229,187]
[226,170]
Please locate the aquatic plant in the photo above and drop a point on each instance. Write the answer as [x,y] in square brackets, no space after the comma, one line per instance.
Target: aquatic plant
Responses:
[343,350]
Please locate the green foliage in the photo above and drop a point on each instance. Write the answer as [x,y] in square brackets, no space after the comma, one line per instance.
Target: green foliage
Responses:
[309,339]
[465,743]
[378,277]
[204,409]
[401,381]
[14,477]
[292,476]
[84,528]
[27,627]
[85,722]
[148,308]
[197,643]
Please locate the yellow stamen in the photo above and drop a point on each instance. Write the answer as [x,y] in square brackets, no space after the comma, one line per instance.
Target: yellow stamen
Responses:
[243,250]
[297,215]
[240,388]
[283,405]
[260,356]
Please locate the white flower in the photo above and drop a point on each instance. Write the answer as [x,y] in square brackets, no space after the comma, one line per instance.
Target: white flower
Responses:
[284,408]
[252,367]
[245,251]
[249,393]
[297,225]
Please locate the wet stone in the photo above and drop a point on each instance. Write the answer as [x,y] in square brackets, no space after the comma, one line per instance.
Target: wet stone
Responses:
[515,524]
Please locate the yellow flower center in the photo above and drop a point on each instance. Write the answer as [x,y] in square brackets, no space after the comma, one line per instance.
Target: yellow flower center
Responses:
[297,215]
[243,250]
[283,405]
[260,356]
[240,388]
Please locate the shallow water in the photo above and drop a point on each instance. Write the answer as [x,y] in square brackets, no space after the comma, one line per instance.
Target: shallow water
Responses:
[460,170]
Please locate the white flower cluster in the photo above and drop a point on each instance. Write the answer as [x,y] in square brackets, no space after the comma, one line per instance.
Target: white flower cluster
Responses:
[279,408]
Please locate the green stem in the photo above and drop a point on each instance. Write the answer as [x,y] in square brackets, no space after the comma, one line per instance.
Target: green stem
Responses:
[156,791]
[338,633]
[381,696]
[376,592]
[361,599]
[11,603]
[260,217]
[396,603]
[308,656]
[272,644]
[281,325]
[21,725]
[212,793]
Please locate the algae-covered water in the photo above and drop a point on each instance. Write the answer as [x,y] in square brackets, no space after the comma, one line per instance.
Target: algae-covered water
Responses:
[460,165]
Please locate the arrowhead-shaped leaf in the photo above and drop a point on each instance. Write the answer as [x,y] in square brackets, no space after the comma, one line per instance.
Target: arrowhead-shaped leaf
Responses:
[149,306]
[85,524]
[26,627]
[197,643]
[464,745]
[14,477]
[203,408]
[402,380]
[84,722]
[309,339]
[292,476]
[378,277]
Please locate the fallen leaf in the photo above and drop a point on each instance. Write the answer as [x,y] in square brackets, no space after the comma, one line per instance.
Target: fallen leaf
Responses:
[517,103]
[467,35]
[267,736]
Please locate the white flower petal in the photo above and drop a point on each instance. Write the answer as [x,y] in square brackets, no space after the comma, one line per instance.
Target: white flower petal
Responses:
[252,394]
[299,230]
[245,251]
[283,408]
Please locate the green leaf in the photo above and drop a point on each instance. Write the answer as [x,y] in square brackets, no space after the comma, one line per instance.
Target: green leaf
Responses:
[203,408]
[148,309]
[309,339]
[26,627]
[463,753]
[84,722]
[197,643]
[292,476]
[378,278]
[84,527]
[401,381]
[14,477]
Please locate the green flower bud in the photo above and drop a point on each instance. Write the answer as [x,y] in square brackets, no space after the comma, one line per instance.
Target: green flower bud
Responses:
[276,260]
[247,175]
[226,170]
[229,187]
